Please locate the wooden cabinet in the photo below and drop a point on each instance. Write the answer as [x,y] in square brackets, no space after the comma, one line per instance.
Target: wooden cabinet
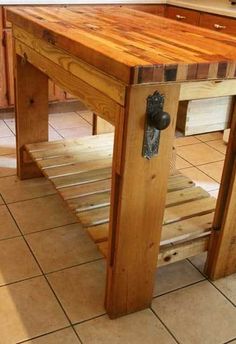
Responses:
[183,14]
[153,9]
[6,67]
[218,23]
[3,86]
[9,65]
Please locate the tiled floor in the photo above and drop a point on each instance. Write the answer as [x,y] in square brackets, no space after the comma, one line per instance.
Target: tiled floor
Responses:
[52,277]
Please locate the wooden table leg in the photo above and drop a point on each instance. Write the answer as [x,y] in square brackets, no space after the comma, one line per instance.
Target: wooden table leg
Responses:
[221,259]
[31,100]
[137,207]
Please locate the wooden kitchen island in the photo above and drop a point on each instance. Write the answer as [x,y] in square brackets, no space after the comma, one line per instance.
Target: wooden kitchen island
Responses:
[131,69]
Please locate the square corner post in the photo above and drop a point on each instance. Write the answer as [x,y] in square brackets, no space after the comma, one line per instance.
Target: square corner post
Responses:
[221,260]
[31,107]
[139,190]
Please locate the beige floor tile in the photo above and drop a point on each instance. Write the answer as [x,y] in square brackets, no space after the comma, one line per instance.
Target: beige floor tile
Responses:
[138,328]
[227,286]
[82,296]
[1,200]
[66,336]
[7,165]
[199,261]
[87,115]
[8,227]
[41,213]
[181,163]
[199,154]
[28,309]
[13,189]
[213,170]
[219,145]
[66,120]
[53,135]
[175,276]
[16,261]
[4,130]
[7,145]
[197,314]
[186,140]
[200,178]
[83,130]
[62,247]
[210,136]
[10,122]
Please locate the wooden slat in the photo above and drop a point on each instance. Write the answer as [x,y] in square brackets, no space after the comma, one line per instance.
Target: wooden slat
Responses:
[172,253]
[84,189]
[183,211]
[90,202]
[207,89]
[181,230]
[81,178]
[94,217]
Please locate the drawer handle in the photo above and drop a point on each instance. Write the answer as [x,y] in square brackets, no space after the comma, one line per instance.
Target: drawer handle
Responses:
[219,27]
[179,17]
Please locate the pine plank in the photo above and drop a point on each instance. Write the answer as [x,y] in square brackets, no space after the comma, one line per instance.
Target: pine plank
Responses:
[172,253]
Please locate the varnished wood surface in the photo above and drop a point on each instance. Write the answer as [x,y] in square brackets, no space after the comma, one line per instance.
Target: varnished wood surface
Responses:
[133,46]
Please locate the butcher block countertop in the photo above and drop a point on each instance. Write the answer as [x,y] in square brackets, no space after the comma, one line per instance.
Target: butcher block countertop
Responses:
[221,7]
[130,45]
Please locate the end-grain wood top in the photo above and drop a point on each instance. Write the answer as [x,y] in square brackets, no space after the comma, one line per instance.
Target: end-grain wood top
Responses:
[133,46]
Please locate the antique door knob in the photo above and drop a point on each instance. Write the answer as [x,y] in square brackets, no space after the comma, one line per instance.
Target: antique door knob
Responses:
[160,120]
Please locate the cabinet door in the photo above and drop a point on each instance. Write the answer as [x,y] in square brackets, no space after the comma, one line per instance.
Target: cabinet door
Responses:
[153,9]
[182,14]
[9,66]
[218,23]
[3,88]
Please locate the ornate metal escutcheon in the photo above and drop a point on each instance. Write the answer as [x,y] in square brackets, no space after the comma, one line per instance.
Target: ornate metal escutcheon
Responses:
[156,120]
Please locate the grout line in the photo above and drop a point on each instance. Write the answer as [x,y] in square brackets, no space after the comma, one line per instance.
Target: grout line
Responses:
[231,340]
[42,335]
[207,279]
[92,318]
[33,198]
[9,128]
[45,278]
[165,326]
[51,228]
[221,292]
[180,288]
[20,280]
[73,266]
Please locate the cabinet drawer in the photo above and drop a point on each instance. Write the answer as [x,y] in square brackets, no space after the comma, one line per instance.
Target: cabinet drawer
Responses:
[183,15]
[3,85]
[218,23]
[158,10]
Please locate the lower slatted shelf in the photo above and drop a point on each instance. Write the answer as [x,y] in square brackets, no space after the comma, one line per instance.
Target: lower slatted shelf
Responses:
[80,170]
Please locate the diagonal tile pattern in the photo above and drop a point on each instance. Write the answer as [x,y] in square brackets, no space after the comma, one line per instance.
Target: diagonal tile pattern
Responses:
[52,277]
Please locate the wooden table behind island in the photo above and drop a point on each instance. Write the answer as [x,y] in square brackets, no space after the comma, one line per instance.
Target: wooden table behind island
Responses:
[132,71]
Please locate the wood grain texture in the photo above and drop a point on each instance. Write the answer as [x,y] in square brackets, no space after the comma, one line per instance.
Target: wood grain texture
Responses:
[109,39]
[31,90]
[94,99]
[221,259]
